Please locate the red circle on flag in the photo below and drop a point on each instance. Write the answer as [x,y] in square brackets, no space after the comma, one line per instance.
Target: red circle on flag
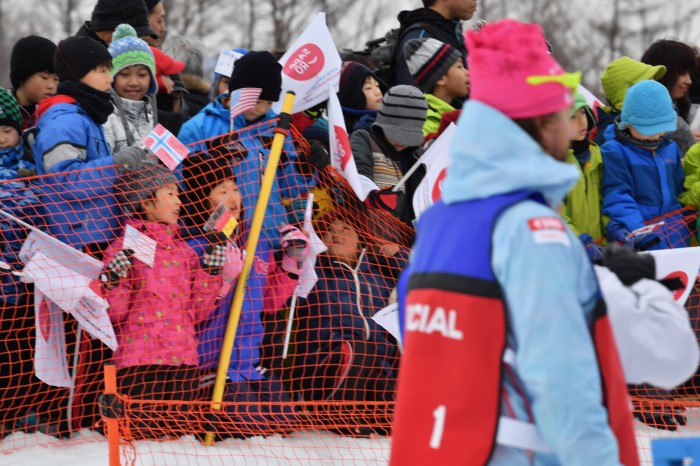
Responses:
[305,63]
[344,150]
[437,188]
[677,294]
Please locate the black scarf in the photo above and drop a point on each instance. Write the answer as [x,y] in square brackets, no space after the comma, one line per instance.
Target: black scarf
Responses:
[97,104]
[623,135]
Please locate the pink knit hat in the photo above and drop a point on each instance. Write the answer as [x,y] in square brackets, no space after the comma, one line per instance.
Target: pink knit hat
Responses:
[512,71]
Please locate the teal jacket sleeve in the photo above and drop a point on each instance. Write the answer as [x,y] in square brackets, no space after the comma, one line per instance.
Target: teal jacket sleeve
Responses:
[551,290]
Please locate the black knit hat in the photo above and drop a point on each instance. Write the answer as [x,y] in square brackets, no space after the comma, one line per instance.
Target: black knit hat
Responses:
[352,79]
[136,186]
[10,114]
[108,14]
[258,69]
[202,173]
[30,55]
[428,60]
[76,56]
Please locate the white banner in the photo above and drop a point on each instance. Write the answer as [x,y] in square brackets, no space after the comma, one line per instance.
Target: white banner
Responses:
[50,363]
[310,67]
[341,152]
[680,263]
[388,318]
[436,159]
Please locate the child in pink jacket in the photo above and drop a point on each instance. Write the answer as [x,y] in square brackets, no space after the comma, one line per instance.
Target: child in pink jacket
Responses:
[155,309]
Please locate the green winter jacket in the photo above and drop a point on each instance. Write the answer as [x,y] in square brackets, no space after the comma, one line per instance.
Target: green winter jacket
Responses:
[691,167]
[436,107]
[582,205]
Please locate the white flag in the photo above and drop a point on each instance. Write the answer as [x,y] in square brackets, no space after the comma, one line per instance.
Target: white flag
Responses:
[143,246]
[308,273]
[341,153]
[311,66]
[436,160]
[71,291]
[50,365]
[681,263]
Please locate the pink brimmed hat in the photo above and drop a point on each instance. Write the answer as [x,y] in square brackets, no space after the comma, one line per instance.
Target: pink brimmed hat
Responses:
[512,70]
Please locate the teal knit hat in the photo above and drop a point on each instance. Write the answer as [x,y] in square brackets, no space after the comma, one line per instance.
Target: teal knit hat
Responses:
[648,108]
[128,50]
[10,114]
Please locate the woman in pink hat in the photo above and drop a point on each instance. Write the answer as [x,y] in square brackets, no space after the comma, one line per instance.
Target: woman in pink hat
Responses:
[509,357]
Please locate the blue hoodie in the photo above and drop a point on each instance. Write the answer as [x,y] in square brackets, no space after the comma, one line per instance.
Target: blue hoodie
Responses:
[550,325]
[214,120]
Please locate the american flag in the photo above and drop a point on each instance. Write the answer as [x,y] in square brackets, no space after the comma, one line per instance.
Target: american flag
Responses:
[166,146]
[243,100]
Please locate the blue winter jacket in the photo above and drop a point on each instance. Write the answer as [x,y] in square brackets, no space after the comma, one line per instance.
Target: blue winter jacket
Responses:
[245,356]
[213,120]
[640,185]
[342,303]
[549,287]
[79,199]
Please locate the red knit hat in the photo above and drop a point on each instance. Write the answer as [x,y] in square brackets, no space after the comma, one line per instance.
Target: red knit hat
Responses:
[165,65]
[512,71]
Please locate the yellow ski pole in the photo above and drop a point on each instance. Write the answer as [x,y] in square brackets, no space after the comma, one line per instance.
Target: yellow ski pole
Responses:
[281,132]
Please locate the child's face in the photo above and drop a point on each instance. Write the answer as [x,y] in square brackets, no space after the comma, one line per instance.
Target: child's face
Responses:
[222,85]
[260,109]
[455,83]
[373,94]
[165,205]
[99,78]
[132,82]
[38,87]
[579,125]
[342,241]
[554,133]
[228,194]
[9,137]
[681,86]
[637,135]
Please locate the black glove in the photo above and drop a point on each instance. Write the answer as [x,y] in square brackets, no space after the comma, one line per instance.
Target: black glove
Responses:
[629,266]
[214,256]
[131,157]
[229,146]
[318,156]
[117,268]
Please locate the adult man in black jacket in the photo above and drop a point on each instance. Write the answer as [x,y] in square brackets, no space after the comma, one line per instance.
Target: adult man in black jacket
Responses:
[439,19]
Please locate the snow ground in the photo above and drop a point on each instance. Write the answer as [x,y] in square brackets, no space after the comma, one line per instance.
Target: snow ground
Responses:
[303,448]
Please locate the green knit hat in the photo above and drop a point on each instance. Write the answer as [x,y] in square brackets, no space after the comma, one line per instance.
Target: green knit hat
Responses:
[128,50]
[579,103]
[10,113]
[619,75]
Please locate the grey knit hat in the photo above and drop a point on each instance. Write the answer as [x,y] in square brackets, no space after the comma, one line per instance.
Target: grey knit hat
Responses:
[402,115]
[429,60]
[134,187]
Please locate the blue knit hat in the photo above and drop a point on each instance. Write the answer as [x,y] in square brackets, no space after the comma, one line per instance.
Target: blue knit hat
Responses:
[648,108]
[128,50]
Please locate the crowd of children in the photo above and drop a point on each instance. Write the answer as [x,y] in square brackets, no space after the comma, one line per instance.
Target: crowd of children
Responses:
[79,111]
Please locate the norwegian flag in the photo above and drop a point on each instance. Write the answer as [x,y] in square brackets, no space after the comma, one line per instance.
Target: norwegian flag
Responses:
[243,100]
[166,146]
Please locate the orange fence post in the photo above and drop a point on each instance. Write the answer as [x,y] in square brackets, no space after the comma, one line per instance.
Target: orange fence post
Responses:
[111,422]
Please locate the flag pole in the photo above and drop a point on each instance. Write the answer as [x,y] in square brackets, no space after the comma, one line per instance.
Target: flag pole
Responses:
[281,132]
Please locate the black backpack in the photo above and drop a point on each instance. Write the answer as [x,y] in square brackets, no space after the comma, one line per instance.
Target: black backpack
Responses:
[382,51]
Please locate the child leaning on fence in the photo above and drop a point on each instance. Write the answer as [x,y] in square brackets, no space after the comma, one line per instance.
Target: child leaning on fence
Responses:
[155,309]
[642,172]
[210,183]
[342,353]
[248,146]
[71,147]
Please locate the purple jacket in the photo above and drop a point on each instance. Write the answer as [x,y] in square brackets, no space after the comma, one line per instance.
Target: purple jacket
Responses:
[155,310]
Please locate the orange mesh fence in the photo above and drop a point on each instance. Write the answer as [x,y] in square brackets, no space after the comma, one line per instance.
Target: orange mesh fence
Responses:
[312,374]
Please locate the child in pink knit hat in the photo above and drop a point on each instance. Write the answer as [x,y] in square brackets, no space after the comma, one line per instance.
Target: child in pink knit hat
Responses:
[505,343]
